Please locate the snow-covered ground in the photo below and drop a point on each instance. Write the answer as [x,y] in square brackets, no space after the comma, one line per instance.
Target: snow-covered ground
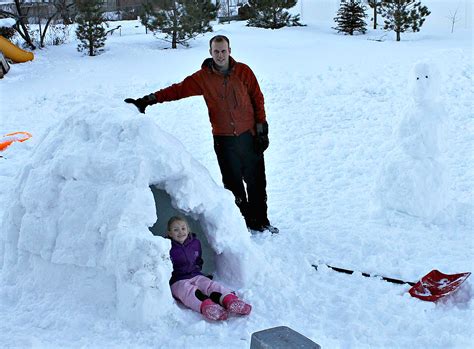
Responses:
[334,105]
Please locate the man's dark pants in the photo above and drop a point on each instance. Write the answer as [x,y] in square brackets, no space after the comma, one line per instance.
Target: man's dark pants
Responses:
[239,163]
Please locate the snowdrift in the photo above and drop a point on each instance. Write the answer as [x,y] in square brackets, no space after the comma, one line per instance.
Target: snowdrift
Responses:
[77,227]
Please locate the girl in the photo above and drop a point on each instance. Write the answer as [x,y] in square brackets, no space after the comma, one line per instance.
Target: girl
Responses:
[189,285]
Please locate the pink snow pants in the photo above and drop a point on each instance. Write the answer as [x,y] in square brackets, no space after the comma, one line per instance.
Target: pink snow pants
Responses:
[184,290]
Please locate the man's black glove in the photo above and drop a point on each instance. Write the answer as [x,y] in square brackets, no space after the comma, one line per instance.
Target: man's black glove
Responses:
[261,138]
[142,103]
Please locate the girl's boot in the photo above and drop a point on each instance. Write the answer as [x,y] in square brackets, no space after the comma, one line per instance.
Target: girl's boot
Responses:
[235,305]
[213,311]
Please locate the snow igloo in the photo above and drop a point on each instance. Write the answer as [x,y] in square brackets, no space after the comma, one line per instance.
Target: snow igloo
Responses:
[82,222]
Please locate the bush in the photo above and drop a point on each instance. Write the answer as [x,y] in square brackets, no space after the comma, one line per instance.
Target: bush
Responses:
[7,33]
[272,14]
[246,12]
[58,34]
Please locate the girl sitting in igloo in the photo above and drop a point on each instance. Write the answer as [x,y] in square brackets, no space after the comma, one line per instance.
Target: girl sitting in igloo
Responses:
[198,292]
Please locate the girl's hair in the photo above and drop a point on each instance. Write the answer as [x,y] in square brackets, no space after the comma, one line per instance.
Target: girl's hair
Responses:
[176,219]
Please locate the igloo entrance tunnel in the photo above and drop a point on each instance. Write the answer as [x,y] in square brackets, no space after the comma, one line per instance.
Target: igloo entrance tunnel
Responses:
[165,210]
[82,207]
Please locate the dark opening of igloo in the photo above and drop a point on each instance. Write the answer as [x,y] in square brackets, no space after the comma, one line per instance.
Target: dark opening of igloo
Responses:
[164,210]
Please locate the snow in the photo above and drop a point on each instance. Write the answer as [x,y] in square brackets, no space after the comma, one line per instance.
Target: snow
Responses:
[80,269]
[7,22]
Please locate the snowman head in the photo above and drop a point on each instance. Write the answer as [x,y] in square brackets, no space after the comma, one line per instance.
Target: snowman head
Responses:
[424,82]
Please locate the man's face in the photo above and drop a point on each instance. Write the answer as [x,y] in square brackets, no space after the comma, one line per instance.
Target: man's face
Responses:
[220,52]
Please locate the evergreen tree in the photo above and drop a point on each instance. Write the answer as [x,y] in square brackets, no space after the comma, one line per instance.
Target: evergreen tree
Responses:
[90,26]
[271,14]
[350,17]
[403,15]
[179,20]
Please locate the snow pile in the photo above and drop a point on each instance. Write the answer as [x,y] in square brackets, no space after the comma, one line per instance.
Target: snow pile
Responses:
[7,22]
[413,178]
[81,207]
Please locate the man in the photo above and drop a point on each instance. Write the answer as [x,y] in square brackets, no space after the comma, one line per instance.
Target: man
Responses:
[239,127]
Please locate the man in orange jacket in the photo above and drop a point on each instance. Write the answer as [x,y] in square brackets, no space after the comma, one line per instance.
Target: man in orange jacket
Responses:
[239,127]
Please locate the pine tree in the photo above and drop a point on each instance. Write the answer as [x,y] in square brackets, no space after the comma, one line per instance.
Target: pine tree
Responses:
[403,15]
[179,20]
[350,17]
[90,26]
[271,14]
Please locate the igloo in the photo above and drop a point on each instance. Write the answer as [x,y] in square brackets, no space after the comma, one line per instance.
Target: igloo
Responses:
[82,207]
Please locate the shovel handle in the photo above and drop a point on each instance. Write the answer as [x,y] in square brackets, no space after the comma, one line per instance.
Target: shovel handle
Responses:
[348,271]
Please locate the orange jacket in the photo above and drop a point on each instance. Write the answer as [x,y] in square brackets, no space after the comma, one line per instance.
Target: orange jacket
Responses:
[234,100]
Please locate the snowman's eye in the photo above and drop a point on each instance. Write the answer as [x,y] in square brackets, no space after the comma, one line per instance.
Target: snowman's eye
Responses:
[417,78]
[426,76]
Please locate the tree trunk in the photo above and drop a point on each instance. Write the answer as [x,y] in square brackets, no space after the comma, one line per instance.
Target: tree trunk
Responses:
[23,29]
[398,36]
[45,30]
[274,25]
[174,40]
[39,22]
[374,4]
[375,16]
[91,46]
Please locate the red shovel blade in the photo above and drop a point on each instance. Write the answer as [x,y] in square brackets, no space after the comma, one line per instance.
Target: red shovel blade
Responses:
[436,285]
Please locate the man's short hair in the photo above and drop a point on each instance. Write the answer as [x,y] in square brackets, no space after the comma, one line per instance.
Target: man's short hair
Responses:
[219,38]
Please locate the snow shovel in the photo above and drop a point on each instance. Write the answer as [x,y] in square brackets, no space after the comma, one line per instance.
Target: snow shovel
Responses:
[431,287]
[436,285]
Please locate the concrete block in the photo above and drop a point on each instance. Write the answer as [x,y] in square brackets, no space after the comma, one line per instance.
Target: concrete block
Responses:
[281,337]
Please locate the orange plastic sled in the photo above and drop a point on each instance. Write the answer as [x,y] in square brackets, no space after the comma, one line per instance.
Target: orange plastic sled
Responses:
[8,139]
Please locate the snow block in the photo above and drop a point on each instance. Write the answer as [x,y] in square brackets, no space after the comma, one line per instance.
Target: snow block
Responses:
[281,337]
[81,208]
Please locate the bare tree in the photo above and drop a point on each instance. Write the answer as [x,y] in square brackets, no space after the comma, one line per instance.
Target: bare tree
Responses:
[21,26]
[60,9]
[453,18]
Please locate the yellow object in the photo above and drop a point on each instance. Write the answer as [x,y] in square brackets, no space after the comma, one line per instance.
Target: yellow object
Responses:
[13,52]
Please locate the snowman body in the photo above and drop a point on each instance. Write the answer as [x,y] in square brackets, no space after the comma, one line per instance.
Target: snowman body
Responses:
[412,180]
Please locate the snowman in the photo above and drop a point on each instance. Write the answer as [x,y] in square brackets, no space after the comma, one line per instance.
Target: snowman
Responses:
[412,178]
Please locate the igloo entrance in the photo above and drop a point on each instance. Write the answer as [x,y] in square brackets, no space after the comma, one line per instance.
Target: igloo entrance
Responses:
[164,210]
